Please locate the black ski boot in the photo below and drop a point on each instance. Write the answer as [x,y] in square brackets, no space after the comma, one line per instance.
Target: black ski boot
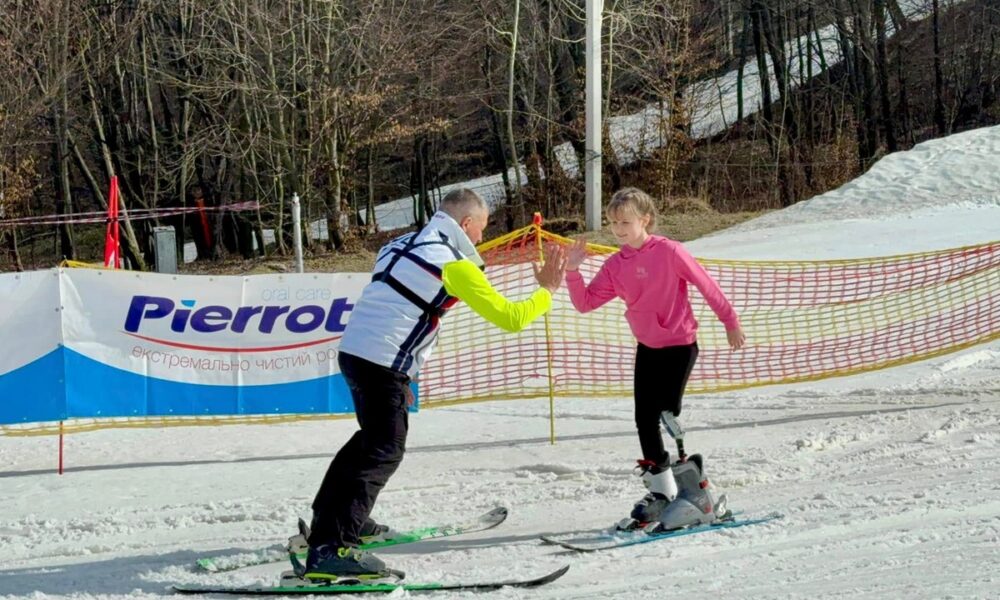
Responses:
[331,564]
[372,532]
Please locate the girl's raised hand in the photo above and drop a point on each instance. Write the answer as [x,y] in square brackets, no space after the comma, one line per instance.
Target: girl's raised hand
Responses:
[576,254]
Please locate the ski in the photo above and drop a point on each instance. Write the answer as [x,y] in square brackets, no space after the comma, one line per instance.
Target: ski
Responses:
[273,554]
[608,540]
[374,588]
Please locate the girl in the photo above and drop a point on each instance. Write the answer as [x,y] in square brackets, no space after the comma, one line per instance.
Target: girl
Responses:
[651,274]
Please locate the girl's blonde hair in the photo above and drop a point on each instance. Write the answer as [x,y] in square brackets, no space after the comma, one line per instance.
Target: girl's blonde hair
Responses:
[635,201]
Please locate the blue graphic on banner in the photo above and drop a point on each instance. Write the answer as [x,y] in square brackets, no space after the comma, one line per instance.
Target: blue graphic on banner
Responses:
[34,392]
[65,384]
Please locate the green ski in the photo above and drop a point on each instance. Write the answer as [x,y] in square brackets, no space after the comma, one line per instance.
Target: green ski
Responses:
[375,588]
[273,554]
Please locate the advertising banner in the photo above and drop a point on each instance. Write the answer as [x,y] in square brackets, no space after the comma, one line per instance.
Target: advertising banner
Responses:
[102,343]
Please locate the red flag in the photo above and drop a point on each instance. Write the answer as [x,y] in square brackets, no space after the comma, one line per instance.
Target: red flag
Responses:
[111,257]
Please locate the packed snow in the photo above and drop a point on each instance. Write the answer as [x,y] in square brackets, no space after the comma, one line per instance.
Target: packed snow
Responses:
[889,482]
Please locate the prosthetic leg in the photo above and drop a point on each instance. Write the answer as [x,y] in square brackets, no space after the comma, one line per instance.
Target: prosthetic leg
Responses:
[679,495]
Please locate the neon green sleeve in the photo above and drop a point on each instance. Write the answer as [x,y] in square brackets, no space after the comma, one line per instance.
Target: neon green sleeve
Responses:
[465,281]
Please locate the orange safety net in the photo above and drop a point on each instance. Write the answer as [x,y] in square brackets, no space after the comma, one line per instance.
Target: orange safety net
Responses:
[804,320]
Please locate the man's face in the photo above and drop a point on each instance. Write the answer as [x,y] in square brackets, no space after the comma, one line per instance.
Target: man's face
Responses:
[474,224]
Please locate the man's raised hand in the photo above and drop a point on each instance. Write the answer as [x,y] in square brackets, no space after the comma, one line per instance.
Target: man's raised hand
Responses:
[550,274]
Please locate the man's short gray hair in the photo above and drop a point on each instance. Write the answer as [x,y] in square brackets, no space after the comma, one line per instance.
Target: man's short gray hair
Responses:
[462,202]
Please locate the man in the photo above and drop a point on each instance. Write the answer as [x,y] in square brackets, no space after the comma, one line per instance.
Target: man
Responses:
[393,326]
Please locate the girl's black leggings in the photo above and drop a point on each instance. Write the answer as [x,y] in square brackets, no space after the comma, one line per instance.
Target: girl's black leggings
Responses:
[661,375]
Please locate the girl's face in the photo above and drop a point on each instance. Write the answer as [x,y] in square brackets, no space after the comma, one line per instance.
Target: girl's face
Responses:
[629,228]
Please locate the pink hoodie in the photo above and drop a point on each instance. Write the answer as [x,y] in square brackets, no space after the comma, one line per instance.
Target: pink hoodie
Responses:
[653,282]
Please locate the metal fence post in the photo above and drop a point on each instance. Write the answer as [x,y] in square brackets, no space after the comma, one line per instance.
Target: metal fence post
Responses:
[297,232]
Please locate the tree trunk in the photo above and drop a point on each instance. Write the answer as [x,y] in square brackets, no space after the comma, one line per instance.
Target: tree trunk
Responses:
[370,225]
[882,68]
[744,37]
[13,254]
[899,21]
[939,120]
[756,23]
[499,153]
[418,180]
[726,20]
[864,88]
[570,62]
[60,159]
[776,49]
[336,240]
[906,124]
[549,160]
[511,141]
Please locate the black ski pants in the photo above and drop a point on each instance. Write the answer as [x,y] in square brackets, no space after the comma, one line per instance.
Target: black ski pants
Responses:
[661,374]
[364,464]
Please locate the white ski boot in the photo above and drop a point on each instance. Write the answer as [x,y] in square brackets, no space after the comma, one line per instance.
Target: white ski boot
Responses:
[659,480]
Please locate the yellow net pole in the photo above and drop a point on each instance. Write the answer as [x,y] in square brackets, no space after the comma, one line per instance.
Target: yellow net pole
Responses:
[537,226]
[61,442]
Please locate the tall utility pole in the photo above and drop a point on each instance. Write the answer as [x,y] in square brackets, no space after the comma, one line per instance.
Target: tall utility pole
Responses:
[592,158]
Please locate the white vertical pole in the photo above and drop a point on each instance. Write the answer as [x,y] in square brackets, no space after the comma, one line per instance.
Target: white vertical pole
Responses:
[297,232]
[592,165]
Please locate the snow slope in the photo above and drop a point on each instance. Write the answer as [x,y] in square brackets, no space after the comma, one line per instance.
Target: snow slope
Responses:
[889,481]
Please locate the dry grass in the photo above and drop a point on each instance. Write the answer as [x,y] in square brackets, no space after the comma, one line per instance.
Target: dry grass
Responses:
[681,227]
[356,261]
[681,219]
[357,256]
